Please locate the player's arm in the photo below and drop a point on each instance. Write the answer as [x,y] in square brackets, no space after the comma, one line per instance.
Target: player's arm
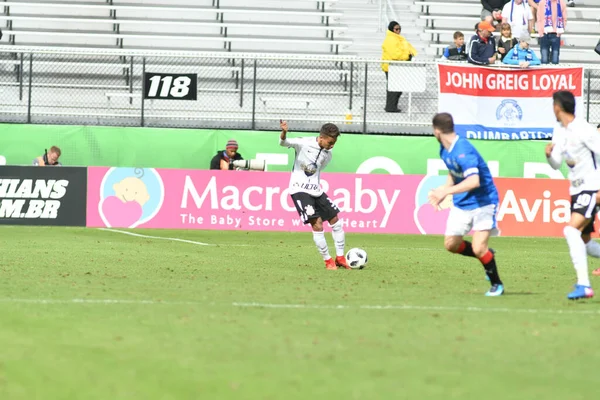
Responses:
[554,155]
[283,140]
[437,196]
[468,163]
[284,130]
[39,161]
[468,184]
[554,150]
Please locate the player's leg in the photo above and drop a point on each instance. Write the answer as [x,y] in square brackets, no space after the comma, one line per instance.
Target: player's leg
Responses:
[591,246]
[329,212]
[578,252]
[458,225]
[306,207]
[484,226]
[488,259]
[582,209]
[321,242]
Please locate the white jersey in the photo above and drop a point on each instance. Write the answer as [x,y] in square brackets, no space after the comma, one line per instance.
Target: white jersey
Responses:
[579,146]
[310,160]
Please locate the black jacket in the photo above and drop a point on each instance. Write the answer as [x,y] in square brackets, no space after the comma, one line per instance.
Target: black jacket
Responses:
[491,5]
[456,54]
[479,51]
[215,163]
[507,45]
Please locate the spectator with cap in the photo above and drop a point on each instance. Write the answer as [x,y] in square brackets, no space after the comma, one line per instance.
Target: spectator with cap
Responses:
[482,48]
[223,159]
[521,54]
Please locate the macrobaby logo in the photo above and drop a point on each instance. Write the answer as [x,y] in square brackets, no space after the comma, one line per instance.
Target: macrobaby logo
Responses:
[427,218]
[130,197]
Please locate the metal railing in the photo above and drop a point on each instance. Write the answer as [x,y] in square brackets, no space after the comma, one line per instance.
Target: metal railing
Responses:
[243,91]
[386,13]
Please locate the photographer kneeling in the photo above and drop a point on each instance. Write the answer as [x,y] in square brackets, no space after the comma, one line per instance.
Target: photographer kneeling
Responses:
[224,158]
[49,159]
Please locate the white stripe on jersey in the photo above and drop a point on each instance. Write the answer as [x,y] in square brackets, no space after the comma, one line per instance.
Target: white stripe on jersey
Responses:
[310,160]
[579,146]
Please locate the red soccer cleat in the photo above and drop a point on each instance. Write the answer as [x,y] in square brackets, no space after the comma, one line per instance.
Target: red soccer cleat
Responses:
[330,264]
[340,261]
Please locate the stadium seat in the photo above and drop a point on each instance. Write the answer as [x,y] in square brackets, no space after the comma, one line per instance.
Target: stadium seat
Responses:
[218,26]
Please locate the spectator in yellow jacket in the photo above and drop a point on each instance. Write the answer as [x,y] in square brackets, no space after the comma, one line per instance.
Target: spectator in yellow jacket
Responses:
[395,47]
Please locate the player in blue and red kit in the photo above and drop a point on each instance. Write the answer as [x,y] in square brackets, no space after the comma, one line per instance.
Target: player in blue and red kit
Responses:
[474,197]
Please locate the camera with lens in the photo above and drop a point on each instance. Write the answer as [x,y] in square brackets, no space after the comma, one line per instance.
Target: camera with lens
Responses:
[249,165]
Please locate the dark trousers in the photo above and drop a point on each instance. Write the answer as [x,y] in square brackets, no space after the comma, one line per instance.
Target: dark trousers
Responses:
[392,98]
[550,48]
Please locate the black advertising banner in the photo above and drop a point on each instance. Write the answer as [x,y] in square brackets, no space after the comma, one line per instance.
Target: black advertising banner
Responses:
[43,195]
[159,86]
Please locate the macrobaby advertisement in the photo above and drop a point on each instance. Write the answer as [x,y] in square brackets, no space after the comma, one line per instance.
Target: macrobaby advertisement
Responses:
[260,201]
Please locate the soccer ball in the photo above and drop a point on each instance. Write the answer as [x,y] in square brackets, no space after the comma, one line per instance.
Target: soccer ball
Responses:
[357,258]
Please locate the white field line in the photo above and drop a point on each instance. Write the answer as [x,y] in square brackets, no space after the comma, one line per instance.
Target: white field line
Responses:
[94,301]
[434,249]
[404,307]
[248,245]
[174,239]
[155,237]
[407,307]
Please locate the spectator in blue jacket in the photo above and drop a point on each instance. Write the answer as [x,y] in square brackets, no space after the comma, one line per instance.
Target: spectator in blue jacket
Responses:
[482,47]
[521,54]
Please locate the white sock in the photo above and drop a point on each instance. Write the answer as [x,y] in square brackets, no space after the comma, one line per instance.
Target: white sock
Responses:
[339,238]
[593,248]
[319,238]
[578,254]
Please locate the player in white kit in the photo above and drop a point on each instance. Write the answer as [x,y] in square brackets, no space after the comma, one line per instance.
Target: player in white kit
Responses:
[578,144]
[313,205]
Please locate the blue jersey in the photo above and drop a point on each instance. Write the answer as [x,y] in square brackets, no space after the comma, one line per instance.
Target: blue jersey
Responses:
[462,161]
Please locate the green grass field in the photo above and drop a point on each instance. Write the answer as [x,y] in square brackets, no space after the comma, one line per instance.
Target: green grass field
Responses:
[91,314]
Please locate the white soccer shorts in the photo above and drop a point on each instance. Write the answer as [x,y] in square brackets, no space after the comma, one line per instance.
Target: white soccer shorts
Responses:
[461,222]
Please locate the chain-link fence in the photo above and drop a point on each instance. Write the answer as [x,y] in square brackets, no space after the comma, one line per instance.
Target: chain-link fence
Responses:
[232,92]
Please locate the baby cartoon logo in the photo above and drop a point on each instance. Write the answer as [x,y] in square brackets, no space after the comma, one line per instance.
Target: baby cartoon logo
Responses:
[427,218]
[130,197]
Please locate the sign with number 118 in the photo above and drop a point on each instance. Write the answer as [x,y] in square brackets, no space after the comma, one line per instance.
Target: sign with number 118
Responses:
[170,86]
